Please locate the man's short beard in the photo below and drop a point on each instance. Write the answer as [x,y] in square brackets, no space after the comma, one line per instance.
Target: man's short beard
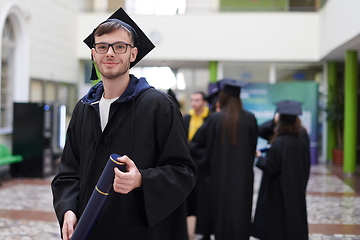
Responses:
[113,75]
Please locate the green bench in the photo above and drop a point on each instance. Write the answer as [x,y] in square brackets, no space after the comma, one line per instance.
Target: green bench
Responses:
[6,157]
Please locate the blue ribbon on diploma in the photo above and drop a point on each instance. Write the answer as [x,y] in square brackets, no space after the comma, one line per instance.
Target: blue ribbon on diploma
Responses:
[265,149]
[98,198]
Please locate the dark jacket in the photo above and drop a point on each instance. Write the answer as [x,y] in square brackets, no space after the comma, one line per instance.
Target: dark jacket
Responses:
[186,122]
[145,125]
[225,196]
[266,130]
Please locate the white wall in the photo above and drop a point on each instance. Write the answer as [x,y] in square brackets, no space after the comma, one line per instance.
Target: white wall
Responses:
[19,85]
[45,33]
[52,29]
[340,22]
[223,36]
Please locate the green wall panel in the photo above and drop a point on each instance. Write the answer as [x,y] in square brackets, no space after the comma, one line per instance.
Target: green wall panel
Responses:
[255,5]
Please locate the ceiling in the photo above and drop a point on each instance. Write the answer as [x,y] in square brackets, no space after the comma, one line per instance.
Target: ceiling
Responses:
[339,53]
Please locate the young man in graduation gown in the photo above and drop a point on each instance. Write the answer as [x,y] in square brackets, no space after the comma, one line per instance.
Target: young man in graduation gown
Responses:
[123,114]
[281,207]
[224,150]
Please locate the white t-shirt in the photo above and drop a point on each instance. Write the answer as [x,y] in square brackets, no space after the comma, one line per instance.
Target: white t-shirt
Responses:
[104,108]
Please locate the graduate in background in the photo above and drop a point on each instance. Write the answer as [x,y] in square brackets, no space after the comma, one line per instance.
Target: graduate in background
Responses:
[197,114]
[281,208]
[192,121]
[224,150]
[213,100]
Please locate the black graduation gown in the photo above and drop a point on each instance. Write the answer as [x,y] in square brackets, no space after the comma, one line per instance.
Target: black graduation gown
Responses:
[191,200]
[266,130]
[225,194]
[281,208]
[146,125]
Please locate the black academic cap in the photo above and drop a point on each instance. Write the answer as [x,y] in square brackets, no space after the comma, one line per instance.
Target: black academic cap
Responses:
[232,86]
[289,107]
[141,41]
[212,97]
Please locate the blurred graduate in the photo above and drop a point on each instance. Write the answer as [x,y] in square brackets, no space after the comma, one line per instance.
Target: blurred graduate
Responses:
[224,150]
[281,207]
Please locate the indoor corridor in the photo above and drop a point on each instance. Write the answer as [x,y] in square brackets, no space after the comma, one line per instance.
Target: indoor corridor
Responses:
[333,204]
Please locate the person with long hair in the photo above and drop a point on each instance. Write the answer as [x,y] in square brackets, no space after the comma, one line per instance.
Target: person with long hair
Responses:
[224,150]
[281,207]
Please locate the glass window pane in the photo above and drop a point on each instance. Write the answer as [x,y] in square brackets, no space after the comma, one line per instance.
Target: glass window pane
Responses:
[7,59]
[50,92]
[36,91]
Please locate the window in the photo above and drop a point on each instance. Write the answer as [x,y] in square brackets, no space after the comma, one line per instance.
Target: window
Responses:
[54,92]
[7,59]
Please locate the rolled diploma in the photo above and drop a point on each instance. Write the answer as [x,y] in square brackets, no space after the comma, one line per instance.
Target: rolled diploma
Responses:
[98,198]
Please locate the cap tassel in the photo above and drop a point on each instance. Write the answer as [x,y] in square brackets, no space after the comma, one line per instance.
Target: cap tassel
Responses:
[94,73]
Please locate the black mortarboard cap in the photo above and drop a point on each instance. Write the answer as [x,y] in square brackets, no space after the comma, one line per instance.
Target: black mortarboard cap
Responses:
[141,41]
[212,97]
[232,86]
[289,107]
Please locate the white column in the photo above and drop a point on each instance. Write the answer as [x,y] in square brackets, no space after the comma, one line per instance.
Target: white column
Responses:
[220,71]
[272,73]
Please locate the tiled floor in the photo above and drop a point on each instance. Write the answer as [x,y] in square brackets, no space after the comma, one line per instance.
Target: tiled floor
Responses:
[333,200]
[26,211]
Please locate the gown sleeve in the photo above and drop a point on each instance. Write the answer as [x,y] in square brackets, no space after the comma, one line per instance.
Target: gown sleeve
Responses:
[166,186]
[306,140]
[65,185]
[266,130]
[271,163]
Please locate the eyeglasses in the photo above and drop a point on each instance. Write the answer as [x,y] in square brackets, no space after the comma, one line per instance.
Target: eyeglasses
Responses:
[118,47]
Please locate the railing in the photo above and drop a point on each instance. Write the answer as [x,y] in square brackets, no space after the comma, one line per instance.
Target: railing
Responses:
[277,6]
